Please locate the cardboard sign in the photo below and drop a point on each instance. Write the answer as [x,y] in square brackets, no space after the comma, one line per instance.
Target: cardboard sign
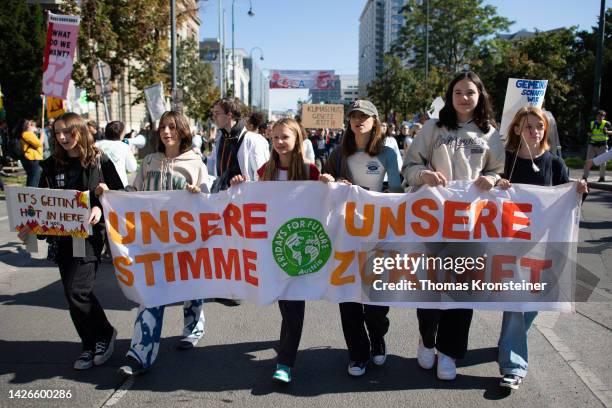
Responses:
[48,211]
[520,93]
[62,36]
[322,116]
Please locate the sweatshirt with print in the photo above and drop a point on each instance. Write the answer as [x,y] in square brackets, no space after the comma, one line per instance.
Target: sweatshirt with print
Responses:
[157,172]
[462,154]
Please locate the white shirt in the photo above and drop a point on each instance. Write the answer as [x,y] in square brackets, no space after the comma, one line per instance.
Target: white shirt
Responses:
[121,156]
[308,150]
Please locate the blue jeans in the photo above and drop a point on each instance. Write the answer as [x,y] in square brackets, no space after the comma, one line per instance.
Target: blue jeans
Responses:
[32,169]
[513,350]
[148,328]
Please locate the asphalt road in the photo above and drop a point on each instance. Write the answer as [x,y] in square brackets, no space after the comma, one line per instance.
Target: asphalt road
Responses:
[570,361]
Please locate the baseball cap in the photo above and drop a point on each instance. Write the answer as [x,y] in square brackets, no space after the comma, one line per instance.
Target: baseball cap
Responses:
[363,106]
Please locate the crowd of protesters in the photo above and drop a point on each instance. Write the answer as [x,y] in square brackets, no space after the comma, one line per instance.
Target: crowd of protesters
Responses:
[369,153]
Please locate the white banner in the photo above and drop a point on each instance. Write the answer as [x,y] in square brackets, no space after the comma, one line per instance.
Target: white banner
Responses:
[521,92]
[266,241]
[156,104]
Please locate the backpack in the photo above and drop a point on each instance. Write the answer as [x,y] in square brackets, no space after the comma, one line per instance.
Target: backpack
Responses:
[14,148]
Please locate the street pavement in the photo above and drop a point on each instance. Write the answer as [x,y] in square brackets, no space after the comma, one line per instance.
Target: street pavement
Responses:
[570,360]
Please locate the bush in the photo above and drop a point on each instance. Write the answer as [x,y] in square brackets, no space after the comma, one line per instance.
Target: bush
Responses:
[576,162]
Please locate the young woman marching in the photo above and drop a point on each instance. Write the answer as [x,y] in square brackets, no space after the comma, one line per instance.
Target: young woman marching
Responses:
[77,165]
[364,160]
[528,161]
[287,163]
[175,166]
[461,145]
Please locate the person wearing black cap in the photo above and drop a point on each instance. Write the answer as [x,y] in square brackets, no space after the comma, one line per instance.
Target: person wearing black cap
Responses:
[364,160]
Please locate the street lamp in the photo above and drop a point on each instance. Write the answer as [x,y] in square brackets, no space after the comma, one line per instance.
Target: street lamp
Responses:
[250,13]
[261,58]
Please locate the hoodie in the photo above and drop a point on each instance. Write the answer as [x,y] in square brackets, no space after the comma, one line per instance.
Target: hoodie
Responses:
[158,172]
[462,154]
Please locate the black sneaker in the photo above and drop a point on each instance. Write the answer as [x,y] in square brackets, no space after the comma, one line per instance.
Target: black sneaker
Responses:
[357,368]
[601,180]
[379,352]
[132,368]
[228,302]
[511,381]
[104,349]
[84,361]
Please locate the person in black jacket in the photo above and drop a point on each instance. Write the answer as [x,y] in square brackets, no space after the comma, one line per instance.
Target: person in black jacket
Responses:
[76,164]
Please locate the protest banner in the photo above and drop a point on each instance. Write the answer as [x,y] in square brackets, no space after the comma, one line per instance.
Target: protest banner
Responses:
[519,93]
[319,116]
[62,36]
[293,79]
[308,240]
[154,96]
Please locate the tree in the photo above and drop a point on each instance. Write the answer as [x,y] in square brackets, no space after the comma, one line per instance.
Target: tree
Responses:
[132,35]
[456,27]
[547,55]
[196,79]
[392,90]
[21,57]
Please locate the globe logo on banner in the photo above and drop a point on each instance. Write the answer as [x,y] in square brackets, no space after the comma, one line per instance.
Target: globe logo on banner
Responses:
[301,246]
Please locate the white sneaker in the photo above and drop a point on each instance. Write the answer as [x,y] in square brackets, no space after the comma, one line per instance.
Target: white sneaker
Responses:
[447,370]
[426,356]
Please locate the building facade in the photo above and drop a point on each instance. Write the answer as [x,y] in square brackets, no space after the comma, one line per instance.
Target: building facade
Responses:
[371,43]
[379,27]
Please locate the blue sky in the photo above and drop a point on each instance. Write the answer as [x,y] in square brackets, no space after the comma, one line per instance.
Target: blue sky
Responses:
[324,34]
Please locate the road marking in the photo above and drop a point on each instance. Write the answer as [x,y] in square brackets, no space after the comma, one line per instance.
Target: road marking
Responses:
[597,387]
[119,392]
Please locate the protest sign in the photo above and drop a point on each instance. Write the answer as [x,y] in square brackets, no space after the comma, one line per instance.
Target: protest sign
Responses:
[154,95]
[319,116]
[254,242]
[520,93]
[62,36]
[48,211]
[293,79]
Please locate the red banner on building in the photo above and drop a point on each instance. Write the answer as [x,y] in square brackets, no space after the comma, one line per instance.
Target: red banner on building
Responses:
[62,36]
[292,79]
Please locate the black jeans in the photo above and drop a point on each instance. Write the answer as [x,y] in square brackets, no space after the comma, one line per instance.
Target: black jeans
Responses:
[292,312]
[355,318]
[446,330]
[32,170]
[87,315]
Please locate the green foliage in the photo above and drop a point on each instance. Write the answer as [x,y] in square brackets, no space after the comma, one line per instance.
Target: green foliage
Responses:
[464,33]
[456,27]
[196,79]
[131,35]
[544,56]
[21,56]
